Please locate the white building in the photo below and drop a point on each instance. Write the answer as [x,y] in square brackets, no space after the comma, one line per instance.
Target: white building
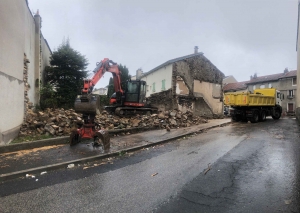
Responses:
[24,53]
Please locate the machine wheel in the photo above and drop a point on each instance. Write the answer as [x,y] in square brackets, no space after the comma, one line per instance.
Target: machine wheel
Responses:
[262,116]
[254,119]
[277,115]
[74,138]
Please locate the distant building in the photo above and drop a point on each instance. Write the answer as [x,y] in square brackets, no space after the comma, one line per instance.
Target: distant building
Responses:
[229,79]
[100,91]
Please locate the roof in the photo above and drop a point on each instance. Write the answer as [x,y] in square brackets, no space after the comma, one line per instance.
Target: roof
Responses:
[231,87]
[235,86]
[171,62]
[292,73]
[273,77]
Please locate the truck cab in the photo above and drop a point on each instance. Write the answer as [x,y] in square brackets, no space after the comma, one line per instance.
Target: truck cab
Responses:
[279,97]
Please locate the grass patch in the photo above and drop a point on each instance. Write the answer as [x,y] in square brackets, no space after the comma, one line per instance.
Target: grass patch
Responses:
[30,138]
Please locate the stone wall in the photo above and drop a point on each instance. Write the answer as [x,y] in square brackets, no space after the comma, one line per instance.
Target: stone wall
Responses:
[163,100]
[200,69]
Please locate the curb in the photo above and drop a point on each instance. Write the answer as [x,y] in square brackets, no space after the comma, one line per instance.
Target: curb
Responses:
[59,140]
[21,173]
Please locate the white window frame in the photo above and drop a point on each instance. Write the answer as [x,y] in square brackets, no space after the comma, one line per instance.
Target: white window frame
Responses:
[288,93]
[270,85]
[254,87]
[293,81]
[262,86]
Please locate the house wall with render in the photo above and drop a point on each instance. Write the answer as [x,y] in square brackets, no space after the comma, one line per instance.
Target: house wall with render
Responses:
[155,80]
[21,58]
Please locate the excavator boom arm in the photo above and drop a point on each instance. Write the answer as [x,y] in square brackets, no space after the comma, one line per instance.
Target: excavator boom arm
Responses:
[105,65]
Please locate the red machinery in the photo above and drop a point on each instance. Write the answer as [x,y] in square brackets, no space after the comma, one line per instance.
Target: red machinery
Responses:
[131,101]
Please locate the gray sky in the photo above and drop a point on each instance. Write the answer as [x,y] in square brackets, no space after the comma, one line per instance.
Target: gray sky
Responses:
[240,37]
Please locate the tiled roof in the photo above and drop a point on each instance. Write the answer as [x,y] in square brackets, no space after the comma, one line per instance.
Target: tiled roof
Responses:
[291,74]
[171,61]
[273,77]
[232,87]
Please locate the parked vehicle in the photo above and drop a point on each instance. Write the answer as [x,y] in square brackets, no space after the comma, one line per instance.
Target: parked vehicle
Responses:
[254,106]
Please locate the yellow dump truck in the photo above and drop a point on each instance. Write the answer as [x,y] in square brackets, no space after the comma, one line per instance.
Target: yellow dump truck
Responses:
[254,106]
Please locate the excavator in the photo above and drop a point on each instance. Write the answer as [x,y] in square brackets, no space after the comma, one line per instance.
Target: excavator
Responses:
[123,103]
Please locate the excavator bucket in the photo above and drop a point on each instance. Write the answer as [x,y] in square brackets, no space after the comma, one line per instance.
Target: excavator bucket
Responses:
[87,105]
[102,136]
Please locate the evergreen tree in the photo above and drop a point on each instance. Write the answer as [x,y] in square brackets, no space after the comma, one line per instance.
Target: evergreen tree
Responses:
[66,74]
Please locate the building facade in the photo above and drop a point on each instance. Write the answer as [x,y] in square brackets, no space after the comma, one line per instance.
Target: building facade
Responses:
[24,53]
[190,82]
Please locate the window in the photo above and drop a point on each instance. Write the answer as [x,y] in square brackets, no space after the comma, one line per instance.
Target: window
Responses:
[163,84]
[262,86]
[290,93]
[270,85]
[254,87]
[294,82]
[153,87]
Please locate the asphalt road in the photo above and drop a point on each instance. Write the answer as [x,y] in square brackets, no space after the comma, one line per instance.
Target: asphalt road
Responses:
[241,167]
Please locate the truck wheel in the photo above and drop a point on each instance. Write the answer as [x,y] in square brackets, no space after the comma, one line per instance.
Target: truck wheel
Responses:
[254,119]
[262,116]
[277,115]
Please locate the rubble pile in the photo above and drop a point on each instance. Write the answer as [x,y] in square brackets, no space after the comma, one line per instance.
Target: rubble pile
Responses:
[59,122]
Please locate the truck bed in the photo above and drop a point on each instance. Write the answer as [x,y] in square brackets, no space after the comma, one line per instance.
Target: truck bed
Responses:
[260,97]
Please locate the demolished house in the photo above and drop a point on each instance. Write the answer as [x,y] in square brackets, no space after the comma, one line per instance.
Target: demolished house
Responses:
[188,83]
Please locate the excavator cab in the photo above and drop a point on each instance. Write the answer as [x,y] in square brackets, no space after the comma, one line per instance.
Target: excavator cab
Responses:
[135,94]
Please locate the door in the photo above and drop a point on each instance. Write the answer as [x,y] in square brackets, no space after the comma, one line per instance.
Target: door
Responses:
[290,107]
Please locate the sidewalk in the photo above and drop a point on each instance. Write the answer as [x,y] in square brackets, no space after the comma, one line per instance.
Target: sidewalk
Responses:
[18,163]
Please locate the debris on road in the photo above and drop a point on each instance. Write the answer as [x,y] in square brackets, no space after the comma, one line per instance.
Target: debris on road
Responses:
[208,168]
[42,173]
[71,166]
[154,174]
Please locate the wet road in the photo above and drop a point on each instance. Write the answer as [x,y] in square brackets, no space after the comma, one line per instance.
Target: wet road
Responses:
[241,167]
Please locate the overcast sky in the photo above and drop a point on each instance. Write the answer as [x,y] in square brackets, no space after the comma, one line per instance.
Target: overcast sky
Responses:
[240,37]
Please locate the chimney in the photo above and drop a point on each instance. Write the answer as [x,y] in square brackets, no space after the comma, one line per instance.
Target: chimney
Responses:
[139,73]
[255,75]
[196,50]
[251,77]
[285,71]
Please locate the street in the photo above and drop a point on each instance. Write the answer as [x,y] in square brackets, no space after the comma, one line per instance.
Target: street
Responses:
[241,167]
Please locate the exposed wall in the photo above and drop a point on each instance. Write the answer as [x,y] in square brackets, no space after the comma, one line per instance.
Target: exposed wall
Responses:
[210,92]
[18,37]
[181,87]
[203,80]
[164,73]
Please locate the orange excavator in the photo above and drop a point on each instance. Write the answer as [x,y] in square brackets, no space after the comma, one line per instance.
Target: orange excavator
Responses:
[131,101]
